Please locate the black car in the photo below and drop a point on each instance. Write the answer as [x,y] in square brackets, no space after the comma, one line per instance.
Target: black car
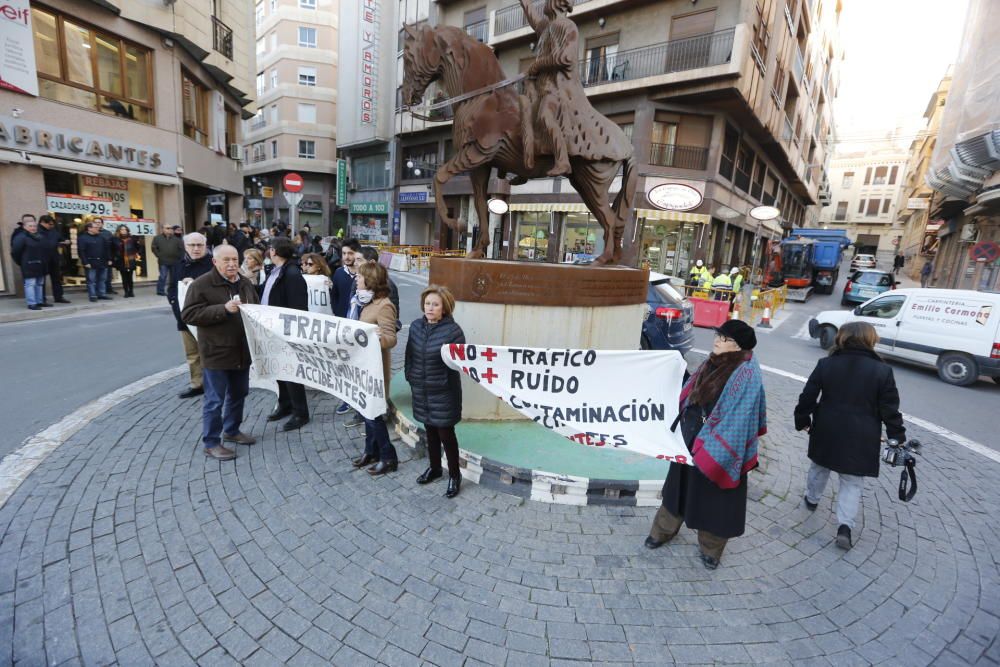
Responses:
[669,316]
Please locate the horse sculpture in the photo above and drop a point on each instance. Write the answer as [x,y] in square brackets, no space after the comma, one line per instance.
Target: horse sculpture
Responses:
[495,127]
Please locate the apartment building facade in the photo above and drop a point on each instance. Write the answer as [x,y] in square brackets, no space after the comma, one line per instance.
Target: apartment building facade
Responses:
[965,164]
[731,97]
[865,193]
[126,110]
[919,243]
[293,129]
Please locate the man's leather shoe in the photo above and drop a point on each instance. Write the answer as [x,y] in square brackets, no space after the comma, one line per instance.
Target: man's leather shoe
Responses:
[220,453]
[191,392]
[240,439]
[382,467]
[105,298]
[61,300]
[277,414]
[429,476]
[34,306]
[454,485]
[364,460]
[653,544]
[295,423]
[45,304]
[844,536]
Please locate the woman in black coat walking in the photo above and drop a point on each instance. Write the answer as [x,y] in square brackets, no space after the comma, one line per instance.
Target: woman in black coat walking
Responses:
[436,389]
[848,398]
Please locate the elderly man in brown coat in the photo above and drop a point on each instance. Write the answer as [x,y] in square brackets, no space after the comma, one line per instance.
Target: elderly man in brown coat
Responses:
[213,305]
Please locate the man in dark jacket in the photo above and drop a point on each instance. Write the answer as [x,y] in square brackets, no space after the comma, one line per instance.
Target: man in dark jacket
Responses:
[168,250]
[195,263]
[109,238]
[49,231]
[286,288]
[343,278]
[213,305]
[31,254]
[94,251]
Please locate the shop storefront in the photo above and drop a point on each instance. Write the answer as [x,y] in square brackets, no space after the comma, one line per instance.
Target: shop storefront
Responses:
[369,222]
[670,240]
[75,177]
[417,216]
[531,236]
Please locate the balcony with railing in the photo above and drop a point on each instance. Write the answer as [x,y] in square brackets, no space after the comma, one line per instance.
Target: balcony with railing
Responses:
[511,18]
[480,31]
[222,38]
[678,55]
[681,157]
[257,123]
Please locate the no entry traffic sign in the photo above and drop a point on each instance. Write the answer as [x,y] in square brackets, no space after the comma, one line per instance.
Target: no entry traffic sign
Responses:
[292,182]
[987,251]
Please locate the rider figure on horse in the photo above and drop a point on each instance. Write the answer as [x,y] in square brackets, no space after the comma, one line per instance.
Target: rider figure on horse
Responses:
[557,47]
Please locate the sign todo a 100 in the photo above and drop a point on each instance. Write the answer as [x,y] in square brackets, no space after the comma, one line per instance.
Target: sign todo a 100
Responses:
[78,204]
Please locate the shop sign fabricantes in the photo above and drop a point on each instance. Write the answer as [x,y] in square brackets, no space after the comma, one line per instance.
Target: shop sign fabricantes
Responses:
[21,135]
[674,197]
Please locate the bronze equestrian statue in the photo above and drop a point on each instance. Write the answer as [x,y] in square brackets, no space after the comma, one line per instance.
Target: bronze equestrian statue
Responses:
[552,130]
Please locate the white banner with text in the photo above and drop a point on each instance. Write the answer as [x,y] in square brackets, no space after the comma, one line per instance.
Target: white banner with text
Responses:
[335,355]
[615,399]
[319,294]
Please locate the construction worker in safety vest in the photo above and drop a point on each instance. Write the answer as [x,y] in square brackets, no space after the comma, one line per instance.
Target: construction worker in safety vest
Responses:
[737,277]
[719,283]
[706,278]
[694,275]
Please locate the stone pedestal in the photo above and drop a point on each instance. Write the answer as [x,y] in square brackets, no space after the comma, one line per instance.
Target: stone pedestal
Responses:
[540,305]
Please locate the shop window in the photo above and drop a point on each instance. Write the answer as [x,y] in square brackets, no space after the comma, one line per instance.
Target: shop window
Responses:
[582,237]
[84,67]
[195,105]
[533,236]
[307,149]
[370,172]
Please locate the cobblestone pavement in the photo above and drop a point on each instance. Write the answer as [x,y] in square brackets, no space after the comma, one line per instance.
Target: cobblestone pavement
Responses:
[127,545]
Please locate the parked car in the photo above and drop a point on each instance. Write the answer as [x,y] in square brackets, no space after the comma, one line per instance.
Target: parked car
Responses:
[668,324]
[864,285]
[955,331]
[863,262]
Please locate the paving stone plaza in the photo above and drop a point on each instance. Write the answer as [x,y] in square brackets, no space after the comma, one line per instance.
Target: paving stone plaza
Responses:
[128,546]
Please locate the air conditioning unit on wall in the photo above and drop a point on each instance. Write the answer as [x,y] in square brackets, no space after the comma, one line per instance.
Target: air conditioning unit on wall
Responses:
[235,152]
[970,233]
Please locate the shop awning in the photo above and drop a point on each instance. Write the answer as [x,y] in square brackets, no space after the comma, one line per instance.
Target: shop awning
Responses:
[647,213]
[85,168]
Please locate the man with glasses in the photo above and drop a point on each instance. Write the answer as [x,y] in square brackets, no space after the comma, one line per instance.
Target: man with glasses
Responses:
[195,263]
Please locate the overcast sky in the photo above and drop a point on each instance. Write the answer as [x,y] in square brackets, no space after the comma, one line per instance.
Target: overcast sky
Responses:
[896,52]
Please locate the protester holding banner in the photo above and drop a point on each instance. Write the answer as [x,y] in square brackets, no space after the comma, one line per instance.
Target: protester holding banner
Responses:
[343,289]
[126,258]
[436,389]
[849,396]
[313,264]
[371,304]
[195,263]
[213,305]
[286,288]
[722,414]
[370,254]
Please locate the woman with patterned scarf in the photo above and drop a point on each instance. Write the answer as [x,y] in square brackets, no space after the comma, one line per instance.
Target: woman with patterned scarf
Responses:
[722,414]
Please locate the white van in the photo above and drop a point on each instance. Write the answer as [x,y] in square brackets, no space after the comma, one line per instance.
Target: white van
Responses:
[955,331]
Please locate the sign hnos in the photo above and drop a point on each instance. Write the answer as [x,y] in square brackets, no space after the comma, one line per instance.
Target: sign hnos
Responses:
[369,60]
